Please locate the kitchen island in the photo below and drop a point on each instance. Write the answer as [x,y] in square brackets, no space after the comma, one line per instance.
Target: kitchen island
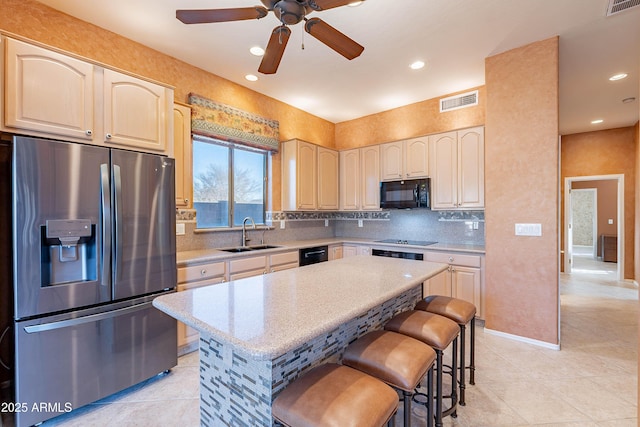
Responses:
[259,334]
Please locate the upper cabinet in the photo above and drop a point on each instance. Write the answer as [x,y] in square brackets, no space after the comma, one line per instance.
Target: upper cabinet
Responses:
[327,179]
[48,92]
[360,179]
[309,176]
[182,153]
[55,95]
[135,112]
[408,159]
[457,169]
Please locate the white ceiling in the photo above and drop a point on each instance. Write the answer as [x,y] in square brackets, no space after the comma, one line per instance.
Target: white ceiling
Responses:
[453,37]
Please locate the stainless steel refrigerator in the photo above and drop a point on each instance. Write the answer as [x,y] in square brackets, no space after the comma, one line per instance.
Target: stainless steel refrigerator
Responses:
[93,242]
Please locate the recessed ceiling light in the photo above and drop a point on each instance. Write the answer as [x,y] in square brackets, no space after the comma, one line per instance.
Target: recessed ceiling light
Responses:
[417,65]
[355,3]
[618,77]
[597,121]
[251,77]
[257,51]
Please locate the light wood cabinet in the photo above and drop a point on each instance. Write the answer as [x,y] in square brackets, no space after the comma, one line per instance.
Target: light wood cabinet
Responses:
[335,252]
[406,159]
[349,250]
[136,113]
[299,176]
[283,261]
[193,277]
[247,267]
[182,154]
[360,179]
[328,172]
[457,169]
[52,94]
[463,279]
[48,92]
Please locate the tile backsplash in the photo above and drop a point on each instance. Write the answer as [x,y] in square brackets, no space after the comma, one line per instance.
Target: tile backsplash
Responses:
[459,227]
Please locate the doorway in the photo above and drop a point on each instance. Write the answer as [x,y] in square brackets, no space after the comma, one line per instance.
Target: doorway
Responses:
[589,226]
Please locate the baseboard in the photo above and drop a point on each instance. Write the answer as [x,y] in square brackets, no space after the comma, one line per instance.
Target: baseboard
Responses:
[523,339]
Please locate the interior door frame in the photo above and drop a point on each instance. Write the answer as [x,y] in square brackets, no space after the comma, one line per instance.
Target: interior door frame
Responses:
[620,218]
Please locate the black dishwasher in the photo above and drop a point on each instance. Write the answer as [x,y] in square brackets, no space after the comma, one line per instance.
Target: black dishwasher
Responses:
[314,255]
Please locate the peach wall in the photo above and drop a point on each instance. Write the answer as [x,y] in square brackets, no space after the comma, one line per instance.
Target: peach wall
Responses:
[607,200]
[421,118]
[521,288]
[605,152]
[35,21]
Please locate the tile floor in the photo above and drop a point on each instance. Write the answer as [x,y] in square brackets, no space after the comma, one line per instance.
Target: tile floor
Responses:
[591,382]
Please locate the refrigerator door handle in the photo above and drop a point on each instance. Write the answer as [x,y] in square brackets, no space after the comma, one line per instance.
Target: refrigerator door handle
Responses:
[105,206]
[86,319]
[117,213]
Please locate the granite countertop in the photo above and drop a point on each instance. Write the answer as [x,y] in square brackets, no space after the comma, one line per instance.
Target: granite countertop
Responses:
[267,315]
[208,255]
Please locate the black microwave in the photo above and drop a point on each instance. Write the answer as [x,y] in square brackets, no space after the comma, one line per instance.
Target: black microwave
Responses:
[407,194]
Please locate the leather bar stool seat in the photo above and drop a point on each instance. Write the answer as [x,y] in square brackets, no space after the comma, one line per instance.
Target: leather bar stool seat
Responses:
[461,312]
[398,360]
[439,333]
[333,395]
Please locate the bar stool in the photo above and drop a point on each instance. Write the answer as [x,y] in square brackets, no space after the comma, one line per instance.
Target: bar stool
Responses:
[396,359]
[333,395]
[461,312]
[438,332]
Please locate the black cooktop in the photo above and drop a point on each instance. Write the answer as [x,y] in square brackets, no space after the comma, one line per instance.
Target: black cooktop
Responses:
[407,242]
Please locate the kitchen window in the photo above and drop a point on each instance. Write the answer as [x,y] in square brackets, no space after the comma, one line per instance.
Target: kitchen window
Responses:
[226,171]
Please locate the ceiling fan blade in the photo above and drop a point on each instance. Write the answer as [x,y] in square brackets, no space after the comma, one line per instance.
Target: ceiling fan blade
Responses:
[333,38]
[205,16]
[275,49]
[328,4]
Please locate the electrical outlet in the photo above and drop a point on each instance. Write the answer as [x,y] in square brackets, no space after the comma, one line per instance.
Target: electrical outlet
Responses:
[282,224]
[180,230]
[610,221]
[326,222]
[360,224]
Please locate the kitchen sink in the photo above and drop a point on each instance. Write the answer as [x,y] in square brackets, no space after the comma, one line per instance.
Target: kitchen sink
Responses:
[249,248]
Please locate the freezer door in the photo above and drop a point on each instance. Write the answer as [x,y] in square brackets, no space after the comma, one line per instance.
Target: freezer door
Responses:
[144,244]
[69,361]
[60,209]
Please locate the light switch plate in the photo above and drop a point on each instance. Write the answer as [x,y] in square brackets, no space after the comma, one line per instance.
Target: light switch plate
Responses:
[360,223]
[529,230]
[610,221]
[282,224]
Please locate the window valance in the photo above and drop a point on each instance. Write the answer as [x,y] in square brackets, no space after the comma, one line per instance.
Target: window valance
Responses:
[209,118]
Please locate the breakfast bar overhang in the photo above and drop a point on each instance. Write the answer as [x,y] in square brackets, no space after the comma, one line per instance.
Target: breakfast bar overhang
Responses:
[259,334]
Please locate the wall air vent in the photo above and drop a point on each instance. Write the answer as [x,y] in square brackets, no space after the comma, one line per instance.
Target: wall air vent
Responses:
[463,100]
[617,6]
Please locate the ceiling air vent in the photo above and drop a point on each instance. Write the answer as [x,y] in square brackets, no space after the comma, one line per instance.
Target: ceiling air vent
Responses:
[617,6]
[464,100]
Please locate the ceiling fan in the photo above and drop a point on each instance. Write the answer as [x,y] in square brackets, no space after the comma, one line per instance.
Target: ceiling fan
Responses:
[289,12]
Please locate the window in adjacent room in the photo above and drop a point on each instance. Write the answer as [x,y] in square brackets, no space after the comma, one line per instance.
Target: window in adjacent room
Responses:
[224,172]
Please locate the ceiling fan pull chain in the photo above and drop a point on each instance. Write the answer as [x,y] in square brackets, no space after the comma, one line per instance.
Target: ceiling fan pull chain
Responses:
[303,40]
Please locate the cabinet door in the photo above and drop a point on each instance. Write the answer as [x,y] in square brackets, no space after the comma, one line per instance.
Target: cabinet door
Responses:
[370,178]
[350,180]
[335,252]
[48,92]
[182,153]
[186,334]
[443,168]
[364,250]
[465,285]
[307,176]
[438,285]
[135,113]
[348,250]
[391,159]
[416,158]
[327,179]
[471,168]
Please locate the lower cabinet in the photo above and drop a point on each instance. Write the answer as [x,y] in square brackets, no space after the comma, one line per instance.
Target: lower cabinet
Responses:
[283,261]
[462,280]
[335,252]
[193,277]
[247,267]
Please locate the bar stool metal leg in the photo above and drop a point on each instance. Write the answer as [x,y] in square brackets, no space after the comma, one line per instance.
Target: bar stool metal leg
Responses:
[472,361]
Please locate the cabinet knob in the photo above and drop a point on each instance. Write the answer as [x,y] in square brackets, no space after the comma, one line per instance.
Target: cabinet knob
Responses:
[108,136]
[265,272]
[88,132]
[203,272]
[450,259]
[186,201]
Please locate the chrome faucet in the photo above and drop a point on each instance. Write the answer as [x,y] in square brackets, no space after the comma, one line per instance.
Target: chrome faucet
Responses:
[244,230]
